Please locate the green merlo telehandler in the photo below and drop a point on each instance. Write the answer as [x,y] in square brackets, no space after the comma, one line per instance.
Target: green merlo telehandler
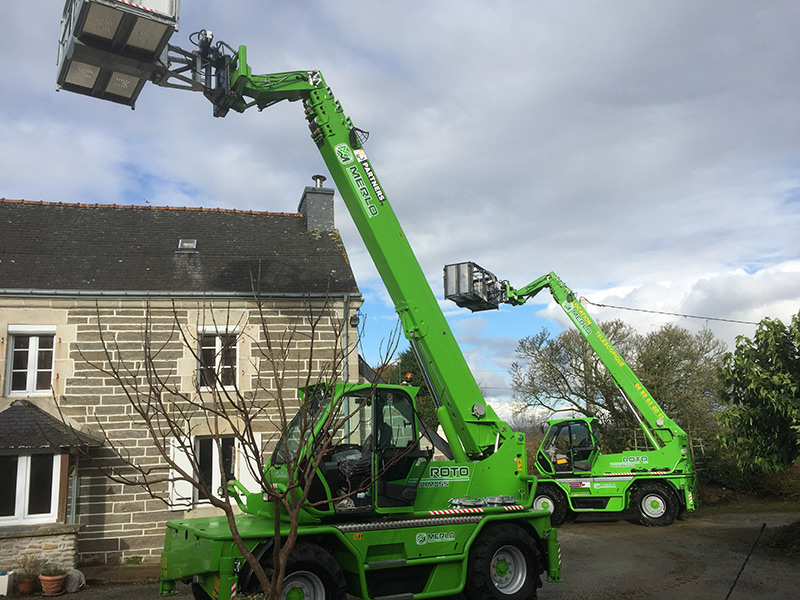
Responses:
[575,475]
[415,527]
[422,528]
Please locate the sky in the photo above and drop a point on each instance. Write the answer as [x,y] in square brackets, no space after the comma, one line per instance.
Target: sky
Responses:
[646,152]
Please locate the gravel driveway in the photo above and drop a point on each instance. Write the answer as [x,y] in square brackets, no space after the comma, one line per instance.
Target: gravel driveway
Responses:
[698,557]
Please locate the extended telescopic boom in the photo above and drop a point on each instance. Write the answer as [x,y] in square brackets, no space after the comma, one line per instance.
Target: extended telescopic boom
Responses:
[657,427]
[473,287]
[471,426]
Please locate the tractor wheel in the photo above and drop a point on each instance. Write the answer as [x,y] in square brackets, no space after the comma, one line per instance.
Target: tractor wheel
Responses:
[311,574]
[198,593]
[503,565]
[655,504]
[549,497]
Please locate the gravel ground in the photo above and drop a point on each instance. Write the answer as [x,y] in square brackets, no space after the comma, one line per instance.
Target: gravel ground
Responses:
[698,557]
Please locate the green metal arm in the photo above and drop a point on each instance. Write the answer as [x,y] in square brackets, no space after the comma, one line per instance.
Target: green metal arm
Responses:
[471,426]
[658,428]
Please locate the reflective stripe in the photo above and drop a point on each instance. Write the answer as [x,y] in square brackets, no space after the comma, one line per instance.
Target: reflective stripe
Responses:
[456,511]
[129,3]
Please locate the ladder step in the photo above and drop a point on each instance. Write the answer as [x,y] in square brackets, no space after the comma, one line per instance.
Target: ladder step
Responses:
[379,564]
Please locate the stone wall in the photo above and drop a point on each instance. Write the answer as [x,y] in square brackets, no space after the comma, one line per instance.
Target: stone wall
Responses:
[111,350]
[53,546]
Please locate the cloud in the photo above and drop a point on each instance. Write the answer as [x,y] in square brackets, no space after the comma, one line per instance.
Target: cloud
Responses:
[727,303]
[646,152]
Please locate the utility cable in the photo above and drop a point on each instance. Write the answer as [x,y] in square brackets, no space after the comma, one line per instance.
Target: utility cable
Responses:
[735,581]
[671,314]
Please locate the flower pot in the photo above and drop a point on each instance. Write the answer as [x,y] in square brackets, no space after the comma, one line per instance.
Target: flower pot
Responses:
[25,585]
[52,585]
[6,582]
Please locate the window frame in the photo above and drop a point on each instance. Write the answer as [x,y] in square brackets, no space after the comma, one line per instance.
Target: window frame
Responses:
[218,333]
[32,370]
[21,515]
[183,495]
[216,482]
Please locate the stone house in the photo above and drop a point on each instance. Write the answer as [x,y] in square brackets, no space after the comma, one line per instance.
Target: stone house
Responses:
[205,298]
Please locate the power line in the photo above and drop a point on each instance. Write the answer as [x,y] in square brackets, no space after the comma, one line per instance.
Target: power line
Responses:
[671,314]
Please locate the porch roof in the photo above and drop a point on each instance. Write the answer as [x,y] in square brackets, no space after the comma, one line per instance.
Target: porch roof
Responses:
[25,426]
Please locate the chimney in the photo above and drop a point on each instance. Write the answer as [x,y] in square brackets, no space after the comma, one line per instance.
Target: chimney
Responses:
[316,205]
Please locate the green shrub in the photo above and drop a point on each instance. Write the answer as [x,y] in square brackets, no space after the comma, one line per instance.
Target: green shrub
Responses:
[722,469]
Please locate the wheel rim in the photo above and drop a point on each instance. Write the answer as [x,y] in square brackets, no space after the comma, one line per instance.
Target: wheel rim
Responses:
[303,585]
[544,503]
[654,506]
[509,569]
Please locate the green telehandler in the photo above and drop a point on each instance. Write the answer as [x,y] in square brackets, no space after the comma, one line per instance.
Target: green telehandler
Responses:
[575,475]
[413,527]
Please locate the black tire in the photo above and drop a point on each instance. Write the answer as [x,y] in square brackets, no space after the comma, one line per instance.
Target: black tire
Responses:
[199,593]
[550,497]
[503,565]
[655,504]
[311,568]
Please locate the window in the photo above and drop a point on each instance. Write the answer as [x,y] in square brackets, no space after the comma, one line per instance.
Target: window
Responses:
[218,355]
[569,447]
[396,428]
[238,463]
[30,361]
[30,488]
[208,458]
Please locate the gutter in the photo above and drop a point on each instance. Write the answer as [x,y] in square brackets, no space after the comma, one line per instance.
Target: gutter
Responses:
[44,293]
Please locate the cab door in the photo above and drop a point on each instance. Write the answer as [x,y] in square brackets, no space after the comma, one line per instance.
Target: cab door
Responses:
[568,448]
[397,448]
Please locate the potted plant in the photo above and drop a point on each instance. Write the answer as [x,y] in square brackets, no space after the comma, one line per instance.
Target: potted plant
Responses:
[27,572]
[52,580]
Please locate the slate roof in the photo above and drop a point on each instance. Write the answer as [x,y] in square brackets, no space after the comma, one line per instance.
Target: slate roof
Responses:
[24,425]
[55,247]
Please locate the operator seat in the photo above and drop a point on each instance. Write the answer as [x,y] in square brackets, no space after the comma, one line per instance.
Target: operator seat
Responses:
[355,471]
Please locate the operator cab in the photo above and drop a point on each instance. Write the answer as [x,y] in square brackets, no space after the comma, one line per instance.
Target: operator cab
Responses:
[374,461]
[569,447]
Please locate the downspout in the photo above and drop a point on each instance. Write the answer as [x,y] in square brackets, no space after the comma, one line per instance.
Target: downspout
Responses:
[74,485]
[346,337]
[346,351]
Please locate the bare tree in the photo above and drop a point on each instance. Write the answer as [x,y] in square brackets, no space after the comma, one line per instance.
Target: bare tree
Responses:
[679,368]
[291,348]
[563,372]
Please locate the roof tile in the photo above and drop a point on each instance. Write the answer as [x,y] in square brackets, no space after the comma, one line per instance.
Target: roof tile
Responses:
[109,248]
[25,426]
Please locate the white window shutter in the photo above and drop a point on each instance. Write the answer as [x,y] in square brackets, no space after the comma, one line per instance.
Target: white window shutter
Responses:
[247,464]
[181,492]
